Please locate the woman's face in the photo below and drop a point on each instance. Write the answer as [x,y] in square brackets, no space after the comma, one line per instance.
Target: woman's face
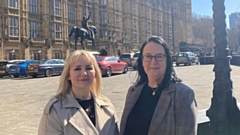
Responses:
[82,74]
[155,69]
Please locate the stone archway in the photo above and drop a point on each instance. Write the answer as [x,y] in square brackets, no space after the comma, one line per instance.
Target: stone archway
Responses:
[103,52]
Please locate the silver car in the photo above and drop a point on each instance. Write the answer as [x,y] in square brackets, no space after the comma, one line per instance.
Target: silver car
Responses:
[186,58]
[134,62]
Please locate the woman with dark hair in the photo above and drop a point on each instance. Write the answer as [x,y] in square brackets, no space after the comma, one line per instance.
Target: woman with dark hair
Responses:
[158,103]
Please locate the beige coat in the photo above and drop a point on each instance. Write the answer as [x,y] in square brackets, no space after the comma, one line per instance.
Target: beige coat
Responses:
[172,116]
[66,117]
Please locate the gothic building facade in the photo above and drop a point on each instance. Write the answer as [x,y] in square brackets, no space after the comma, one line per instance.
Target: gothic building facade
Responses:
[39,29]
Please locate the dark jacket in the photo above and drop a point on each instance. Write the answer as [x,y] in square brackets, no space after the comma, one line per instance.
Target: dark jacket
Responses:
[175,113]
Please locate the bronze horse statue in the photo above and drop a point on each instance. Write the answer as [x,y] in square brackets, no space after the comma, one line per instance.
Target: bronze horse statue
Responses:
[84,34]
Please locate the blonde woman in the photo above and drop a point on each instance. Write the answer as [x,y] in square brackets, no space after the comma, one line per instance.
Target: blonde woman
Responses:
[79,108]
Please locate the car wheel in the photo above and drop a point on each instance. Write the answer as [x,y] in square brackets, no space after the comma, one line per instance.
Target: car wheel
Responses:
[109,72]
[125,70]
[177,64]
[15,76]
[48,73]
[1,76]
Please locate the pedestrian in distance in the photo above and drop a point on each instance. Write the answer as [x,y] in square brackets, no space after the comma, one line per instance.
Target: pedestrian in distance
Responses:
[78,107]
[158,103]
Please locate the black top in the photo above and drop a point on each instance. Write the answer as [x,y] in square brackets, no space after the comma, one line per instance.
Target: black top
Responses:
[88,106]
[140,117]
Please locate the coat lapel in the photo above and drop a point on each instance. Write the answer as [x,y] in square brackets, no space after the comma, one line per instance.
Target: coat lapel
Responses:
[103,115]
[161,108]
[79,119]
[82,123]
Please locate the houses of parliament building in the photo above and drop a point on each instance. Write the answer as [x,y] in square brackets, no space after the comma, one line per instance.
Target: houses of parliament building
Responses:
[39,29]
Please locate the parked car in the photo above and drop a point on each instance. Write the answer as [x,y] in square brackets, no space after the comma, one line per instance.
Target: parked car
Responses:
[12,62]
[128,58]
[94,53]
[45,67]
[111,65]
[134,62]
[3,68]
[18,69]
[186,58]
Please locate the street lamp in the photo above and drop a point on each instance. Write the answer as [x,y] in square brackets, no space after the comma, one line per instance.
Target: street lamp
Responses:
[1,43]
[39,54]
[13,51]
[111,39]
[224,114]
[124,39]
[173,32]
[12,54]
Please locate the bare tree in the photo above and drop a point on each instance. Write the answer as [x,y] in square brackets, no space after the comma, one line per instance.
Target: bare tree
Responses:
[233,37]
[202,27]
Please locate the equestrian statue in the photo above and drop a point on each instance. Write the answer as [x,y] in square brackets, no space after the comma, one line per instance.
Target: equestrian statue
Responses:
[85,32]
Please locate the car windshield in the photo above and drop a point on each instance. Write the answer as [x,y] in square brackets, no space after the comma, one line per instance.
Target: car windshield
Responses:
[182,54]
[16,62]
[136,55]
[34,63]
[3,63]
[20,62]
[99,59]
[125,56]
[42,61]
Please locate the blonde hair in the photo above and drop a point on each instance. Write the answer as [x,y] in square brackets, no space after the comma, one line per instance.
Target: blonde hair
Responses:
[65,84]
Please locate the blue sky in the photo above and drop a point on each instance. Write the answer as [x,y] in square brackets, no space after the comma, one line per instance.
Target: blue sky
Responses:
[204,7]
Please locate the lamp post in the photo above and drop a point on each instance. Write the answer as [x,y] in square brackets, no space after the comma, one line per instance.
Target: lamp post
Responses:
[124,39]
[1,43]
[224,114]
[39,54]
[12,54]
[173,32]
[111,39]
[238,25]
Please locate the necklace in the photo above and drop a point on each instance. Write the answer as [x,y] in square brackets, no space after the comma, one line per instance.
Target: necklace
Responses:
[154,90]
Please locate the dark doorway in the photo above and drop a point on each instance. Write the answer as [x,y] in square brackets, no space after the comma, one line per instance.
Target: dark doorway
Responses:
[12,56]
[119,52]
[103,52]
[36,56]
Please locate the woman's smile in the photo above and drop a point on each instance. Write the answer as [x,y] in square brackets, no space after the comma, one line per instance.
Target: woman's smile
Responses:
[83,80]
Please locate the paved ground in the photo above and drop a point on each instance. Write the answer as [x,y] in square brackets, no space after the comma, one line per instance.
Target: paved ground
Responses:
[22,100]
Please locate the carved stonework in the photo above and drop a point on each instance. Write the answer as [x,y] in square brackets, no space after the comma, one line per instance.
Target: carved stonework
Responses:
[48,43]
[66,43]
[71,45]
[1,39]
[27,42]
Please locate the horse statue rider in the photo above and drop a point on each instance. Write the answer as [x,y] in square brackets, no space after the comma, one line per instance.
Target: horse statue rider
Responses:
[85,25]
[85,33]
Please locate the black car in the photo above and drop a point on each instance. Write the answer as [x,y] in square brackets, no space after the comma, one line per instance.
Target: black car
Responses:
[3,68]
[45,67]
